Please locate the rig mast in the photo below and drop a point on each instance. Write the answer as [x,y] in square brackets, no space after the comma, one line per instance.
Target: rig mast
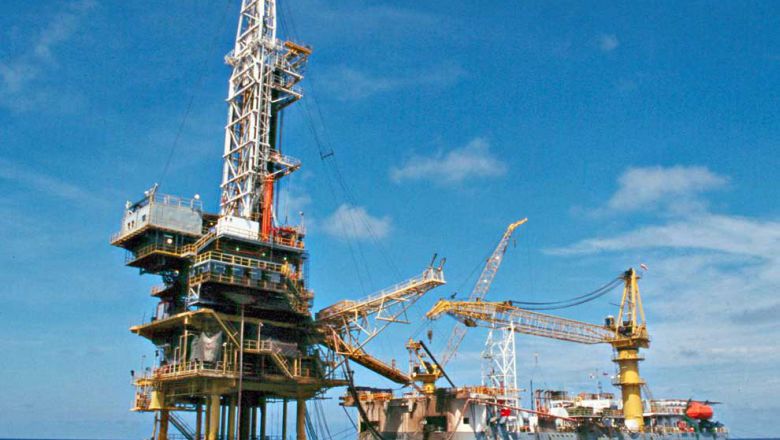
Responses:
[265,72]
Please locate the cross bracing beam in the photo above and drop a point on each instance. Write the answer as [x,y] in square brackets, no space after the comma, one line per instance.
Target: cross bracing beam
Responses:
[504,315]
[348,325]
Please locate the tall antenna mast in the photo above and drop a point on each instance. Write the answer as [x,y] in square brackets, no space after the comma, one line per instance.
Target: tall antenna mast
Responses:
[265,72]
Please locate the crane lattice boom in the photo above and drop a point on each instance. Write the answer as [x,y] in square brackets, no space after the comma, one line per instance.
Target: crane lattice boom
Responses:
[626,335]
[348,326]
[503,314]
[480,289]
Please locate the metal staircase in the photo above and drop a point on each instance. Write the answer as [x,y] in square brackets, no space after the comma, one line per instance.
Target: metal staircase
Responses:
[182,426]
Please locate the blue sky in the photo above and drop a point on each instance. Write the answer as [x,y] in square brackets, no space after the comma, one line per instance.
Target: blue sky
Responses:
[636,133]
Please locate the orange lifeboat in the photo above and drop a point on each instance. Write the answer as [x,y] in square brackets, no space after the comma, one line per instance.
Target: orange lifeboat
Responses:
[699,411]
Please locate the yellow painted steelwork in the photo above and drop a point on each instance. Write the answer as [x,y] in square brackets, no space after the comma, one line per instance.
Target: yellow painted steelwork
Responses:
[630,335]
[423,371]
[626,334]
[212,426]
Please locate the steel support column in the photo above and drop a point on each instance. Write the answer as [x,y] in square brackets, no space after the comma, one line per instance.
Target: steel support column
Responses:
[162,434]
[300,420]
[212,422]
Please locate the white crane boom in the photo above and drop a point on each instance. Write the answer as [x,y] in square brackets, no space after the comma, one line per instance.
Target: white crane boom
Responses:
[480,290]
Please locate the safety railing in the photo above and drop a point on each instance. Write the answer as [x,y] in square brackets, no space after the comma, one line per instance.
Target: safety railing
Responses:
[158,199]
[236,281]
[193,247]
[430,275]
[193,368]
[287,161]
[255,235]
[144,251]
[169,200]
[666,409]
[272,349]
[378,299]
[238,261]
[142,399]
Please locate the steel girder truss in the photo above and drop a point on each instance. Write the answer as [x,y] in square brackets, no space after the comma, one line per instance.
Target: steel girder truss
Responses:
[504,315]
[348,326]
[264,78]
[480,290]
[499,367]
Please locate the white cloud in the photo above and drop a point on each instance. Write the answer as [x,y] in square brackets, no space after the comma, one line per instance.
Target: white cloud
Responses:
[27,179]
[710,232]
[292,201]
[676,188]
[356,223]
[470,161]
[295,201]
[608,42]
[710,293]
[346,83]
[17,74]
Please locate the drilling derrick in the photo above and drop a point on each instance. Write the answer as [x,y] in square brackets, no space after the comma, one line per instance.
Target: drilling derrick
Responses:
[265,72]
[233,326]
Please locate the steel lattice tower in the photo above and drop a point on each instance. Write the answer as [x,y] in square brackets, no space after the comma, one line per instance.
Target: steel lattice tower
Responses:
[265,72]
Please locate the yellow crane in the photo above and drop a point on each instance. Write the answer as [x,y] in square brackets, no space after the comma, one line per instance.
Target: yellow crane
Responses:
[424,367]
[626,334]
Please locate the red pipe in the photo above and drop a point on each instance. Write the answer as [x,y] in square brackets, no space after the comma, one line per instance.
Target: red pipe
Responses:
[267,214]
[515,408]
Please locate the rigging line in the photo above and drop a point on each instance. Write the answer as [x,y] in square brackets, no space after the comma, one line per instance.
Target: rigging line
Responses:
[569,305]
[353,201]
[423,324]
[372,233]
[349,195]
[338,177]
[311,430]
[333,195]
[349,417]
[607,287]
[427,323]
[331,186]
[480,264]
[323,419]
[199,83]
[353,392]
[347,430]
[291,28]
[350,217]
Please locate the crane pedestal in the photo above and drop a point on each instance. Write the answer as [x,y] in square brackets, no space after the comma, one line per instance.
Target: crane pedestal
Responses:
[630,385]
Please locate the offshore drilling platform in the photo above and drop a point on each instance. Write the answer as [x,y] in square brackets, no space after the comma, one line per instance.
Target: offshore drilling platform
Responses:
[233,325]
[235,333]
